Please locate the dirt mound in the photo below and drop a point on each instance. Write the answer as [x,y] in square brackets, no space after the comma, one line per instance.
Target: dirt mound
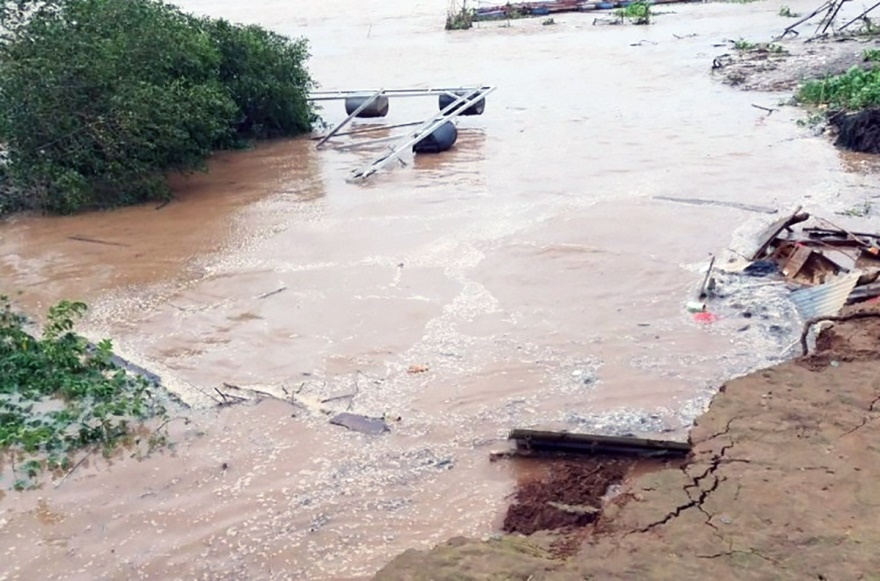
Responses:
[854,340]
[858,131]
[569,494]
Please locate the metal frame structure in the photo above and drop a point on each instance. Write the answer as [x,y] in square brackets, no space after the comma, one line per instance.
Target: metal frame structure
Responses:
[464,99]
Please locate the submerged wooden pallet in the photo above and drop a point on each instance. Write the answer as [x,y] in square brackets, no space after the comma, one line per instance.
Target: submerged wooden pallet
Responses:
[572,443]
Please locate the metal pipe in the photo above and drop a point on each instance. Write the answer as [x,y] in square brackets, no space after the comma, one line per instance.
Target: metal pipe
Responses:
[366,103]
[334,95]
[454,109]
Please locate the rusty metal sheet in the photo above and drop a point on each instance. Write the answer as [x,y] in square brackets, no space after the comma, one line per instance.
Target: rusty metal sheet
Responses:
[825,300]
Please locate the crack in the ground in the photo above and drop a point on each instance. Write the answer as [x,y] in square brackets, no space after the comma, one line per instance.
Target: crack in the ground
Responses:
[865,419]
[731,552]
[725,431]
[701,498]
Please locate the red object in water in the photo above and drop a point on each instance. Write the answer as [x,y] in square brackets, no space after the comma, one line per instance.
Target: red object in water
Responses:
[705,317]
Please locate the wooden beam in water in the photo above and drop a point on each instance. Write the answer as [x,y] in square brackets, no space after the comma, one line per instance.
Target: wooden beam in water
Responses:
[573,443]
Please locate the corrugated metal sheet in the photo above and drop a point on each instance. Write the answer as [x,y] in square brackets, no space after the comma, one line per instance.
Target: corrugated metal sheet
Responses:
[825,300]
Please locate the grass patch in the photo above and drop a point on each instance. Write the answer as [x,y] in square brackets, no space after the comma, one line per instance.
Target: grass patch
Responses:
[548,22]
[786,12]
[637,13]
[59,394]
[870,55]
[744,45]
[855,89]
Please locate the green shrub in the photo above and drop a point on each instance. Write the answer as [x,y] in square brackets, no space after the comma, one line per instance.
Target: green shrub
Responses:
[99,99]
[857,88]
[637,13]
[58,394]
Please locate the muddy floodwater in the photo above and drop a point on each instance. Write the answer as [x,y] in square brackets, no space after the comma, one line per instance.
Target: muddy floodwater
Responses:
[529,273]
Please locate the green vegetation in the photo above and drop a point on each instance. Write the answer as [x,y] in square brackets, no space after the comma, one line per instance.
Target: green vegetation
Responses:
[813,121]
[59,395]
[100,99]
[859,211]
[871,55]
[786,12]
[745,45]
[855,89]
[637,13]
[548,22]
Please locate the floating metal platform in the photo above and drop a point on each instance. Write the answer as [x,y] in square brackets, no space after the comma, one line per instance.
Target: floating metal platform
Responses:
[453,102]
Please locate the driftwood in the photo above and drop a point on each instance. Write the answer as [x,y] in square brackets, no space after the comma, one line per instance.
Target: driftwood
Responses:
[776,229]
[833,319]
[769,110]
[75,466]
[704,202]
[271,293]
[79,238]
[228,399]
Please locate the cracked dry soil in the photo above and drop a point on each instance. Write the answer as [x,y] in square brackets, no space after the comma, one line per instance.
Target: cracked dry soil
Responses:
[783,483]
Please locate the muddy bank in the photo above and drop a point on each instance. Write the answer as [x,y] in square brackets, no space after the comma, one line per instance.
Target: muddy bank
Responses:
[784,64]
[784,482]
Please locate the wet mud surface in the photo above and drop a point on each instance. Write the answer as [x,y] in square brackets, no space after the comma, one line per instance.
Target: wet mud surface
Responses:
[569,493]
[783,483]
[783,65]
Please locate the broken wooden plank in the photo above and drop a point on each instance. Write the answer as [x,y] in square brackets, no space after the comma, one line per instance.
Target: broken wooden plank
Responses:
[796,261]
[573,443]
[773,231]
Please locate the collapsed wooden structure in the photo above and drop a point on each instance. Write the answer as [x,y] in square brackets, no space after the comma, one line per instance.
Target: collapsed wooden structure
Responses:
[827,265]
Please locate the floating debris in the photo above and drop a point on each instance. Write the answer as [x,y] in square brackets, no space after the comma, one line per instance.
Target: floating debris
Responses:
[824,266]
[532,441]
[362,424]
[436,134]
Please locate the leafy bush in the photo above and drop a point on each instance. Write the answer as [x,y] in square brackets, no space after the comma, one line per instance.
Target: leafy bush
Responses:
[857,88]
[99,99]
[637,13]
[264,73]
[59,394]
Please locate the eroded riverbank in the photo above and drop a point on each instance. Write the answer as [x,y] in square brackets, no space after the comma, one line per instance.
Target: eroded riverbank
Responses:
[530,270]
[782,484]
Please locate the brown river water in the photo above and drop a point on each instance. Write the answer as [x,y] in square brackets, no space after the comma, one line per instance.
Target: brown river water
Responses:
[529,269]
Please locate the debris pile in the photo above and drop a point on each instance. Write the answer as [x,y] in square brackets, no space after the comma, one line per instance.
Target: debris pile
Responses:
[512,10]
[827,266]
[819,266]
